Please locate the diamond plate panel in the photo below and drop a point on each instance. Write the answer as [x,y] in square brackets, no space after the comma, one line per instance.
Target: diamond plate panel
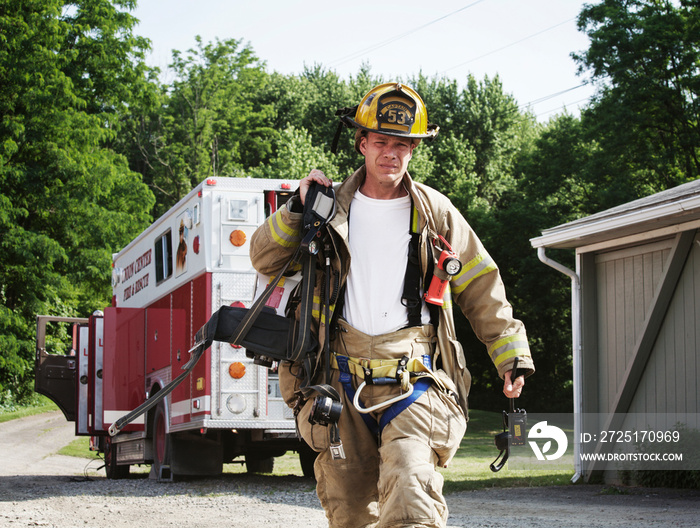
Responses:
[235,286]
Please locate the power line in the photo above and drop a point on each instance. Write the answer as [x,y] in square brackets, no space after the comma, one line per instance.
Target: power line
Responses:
[552,96]
[351,56]
[510,45]
[565,105]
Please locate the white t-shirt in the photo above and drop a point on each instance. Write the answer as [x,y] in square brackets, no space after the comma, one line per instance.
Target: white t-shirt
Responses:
[379,239]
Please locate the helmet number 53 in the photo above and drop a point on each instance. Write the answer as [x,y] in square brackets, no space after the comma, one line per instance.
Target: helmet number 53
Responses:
[394,116]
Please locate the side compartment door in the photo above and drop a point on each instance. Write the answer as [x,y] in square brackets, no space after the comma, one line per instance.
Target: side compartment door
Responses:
[181,403]
[123,383]
[55,361]
[84,418]
[95,374]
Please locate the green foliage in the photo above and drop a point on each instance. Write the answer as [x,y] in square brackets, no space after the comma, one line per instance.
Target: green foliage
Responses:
[295,156]
[209,122]
[68,200]
[309,101]
[35,404]
[645,56]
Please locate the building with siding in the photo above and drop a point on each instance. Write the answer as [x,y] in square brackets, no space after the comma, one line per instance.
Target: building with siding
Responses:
[635,311]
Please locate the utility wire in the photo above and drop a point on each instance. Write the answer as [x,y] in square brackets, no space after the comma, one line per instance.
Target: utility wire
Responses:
[552,96]
[510,45]
[374,47]
[563,106]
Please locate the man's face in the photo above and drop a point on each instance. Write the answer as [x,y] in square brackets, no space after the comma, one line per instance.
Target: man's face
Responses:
[386,157]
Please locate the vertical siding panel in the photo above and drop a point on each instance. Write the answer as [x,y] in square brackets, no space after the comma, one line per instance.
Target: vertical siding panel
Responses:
[648,288]
[692,317]
[670,325]
[611,359]
[630,323]
[616,338]
[639,309]
[681,350]
[601,334]
[660,392]
[605,329]
[638,294]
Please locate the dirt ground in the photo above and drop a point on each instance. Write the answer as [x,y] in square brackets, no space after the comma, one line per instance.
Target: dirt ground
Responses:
[40,488]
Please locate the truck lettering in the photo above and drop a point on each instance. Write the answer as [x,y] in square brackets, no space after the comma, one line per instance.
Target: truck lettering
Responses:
[133,268]
[137,265]
[137,286]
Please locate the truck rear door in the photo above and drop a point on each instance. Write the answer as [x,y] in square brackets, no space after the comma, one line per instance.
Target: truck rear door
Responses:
[56,361]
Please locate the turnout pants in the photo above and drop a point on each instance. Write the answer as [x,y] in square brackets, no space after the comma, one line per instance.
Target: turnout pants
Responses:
[389,477]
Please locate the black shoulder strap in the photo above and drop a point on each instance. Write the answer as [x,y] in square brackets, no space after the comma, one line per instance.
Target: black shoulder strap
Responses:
[411,298]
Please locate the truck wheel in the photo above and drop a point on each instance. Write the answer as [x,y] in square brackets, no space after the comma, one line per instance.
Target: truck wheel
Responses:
[112,470]
[256,464]
[161,441]
[307,457]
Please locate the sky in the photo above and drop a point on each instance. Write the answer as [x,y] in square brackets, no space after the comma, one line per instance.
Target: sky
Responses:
[527,43]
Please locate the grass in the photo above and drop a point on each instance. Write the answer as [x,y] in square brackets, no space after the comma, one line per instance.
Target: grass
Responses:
[43,405]
[469,470]
[80,447]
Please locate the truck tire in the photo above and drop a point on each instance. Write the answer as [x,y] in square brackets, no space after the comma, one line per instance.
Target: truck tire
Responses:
[112,470]
[256,464]
[161,442]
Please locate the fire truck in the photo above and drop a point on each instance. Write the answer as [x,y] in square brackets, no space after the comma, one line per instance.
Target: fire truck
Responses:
[166,284]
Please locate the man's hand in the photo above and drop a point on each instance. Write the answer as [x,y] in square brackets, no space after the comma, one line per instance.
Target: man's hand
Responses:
[314,176]
[513,389]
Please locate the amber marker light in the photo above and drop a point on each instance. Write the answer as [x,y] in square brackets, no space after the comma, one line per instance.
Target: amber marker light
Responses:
[236,370]
[237,238]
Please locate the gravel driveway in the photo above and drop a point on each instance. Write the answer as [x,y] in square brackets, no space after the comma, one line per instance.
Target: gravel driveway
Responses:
[40,488]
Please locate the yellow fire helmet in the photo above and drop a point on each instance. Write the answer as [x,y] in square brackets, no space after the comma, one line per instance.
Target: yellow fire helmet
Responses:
[393,109]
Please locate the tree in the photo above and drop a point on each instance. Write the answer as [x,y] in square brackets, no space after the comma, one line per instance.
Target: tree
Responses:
[309,101]
[295,157]
[67,200]
[645,55]
[552,188]
[209,121]
[481,133]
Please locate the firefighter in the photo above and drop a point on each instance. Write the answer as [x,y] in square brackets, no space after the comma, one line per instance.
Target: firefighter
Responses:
[394,357]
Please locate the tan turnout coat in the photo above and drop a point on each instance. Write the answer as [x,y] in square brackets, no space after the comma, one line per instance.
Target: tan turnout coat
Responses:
[478,289]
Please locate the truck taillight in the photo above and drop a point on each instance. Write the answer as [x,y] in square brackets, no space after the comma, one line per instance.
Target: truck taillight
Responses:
[286,186]
[236,370]
[211,181]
